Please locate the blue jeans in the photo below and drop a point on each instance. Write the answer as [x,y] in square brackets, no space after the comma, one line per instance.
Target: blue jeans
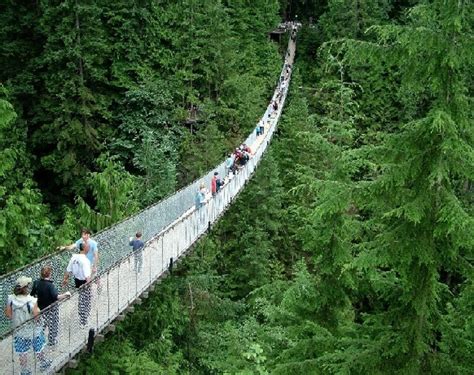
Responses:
[138,257]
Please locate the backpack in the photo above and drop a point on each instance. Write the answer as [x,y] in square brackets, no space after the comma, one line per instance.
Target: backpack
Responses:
[21,312]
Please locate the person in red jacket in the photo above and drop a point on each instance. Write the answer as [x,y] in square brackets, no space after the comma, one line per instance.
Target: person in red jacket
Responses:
[215,184]
[238,158]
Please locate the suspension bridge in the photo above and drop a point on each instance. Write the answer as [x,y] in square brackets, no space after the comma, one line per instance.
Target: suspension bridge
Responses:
[169,228]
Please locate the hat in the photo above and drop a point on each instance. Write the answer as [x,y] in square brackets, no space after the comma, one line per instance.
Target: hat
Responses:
[23,281]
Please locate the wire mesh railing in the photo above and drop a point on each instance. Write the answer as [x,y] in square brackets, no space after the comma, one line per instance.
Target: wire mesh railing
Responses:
[45,343]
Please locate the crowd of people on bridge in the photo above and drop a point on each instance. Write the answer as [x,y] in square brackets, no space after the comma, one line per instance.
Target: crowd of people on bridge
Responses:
[24,305]
[241,155]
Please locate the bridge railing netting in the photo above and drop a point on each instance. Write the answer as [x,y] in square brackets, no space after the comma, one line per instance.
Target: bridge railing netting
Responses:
[169,228]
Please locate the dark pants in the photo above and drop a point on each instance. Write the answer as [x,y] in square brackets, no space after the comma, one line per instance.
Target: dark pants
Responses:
[84,304]
[51,320]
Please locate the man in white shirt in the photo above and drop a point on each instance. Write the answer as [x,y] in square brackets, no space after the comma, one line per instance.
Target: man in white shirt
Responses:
[92,252]
[80,267]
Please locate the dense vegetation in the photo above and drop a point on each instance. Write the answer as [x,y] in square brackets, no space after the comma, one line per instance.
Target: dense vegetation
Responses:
[106,107]
[350,251]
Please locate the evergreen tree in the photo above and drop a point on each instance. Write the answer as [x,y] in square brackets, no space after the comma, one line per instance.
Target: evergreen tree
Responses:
[67,119]
[24,223]
[113,190]
[420,228]
[351,18]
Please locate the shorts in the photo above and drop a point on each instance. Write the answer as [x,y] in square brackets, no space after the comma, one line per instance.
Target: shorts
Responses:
[24,344]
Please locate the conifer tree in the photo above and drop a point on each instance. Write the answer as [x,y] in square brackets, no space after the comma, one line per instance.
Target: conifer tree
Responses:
[351,18]
[421,229]
[113,190]
[24,222]
[255,242]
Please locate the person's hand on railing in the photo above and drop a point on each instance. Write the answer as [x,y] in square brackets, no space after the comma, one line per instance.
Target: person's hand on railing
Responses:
[64,295]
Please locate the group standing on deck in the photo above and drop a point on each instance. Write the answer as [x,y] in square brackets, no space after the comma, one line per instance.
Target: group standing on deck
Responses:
[24,305]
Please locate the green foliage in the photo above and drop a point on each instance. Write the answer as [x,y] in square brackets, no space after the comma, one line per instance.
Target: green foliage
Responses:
[157,158]
[201,152]
[351,19]
[145,139]
[66,121]
[254,242]
[457,342]
[417,224]
[113,190]
[124,358]
[24,224]
[256,357]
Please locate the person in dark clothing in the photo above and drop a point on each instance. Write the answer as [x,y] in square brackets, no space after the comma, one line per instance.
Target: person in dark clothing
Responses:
[47,294]
[137,247]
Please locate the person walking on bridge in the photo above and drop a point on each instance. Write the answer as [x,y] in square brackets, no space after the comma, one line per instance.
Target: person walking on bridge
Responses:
[215,184]
[47,295]
[80,267]
[137,246]
[200,199]
[93,254]
[229,164]
[22,307]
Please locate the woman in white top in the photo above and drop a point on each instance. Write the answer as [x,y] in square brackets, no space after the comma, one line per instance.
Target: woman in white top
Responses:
[21,307]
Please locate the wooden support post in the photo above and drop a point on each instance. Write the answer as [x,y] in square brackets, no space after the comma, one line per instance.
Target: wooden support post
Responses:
[91,340]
